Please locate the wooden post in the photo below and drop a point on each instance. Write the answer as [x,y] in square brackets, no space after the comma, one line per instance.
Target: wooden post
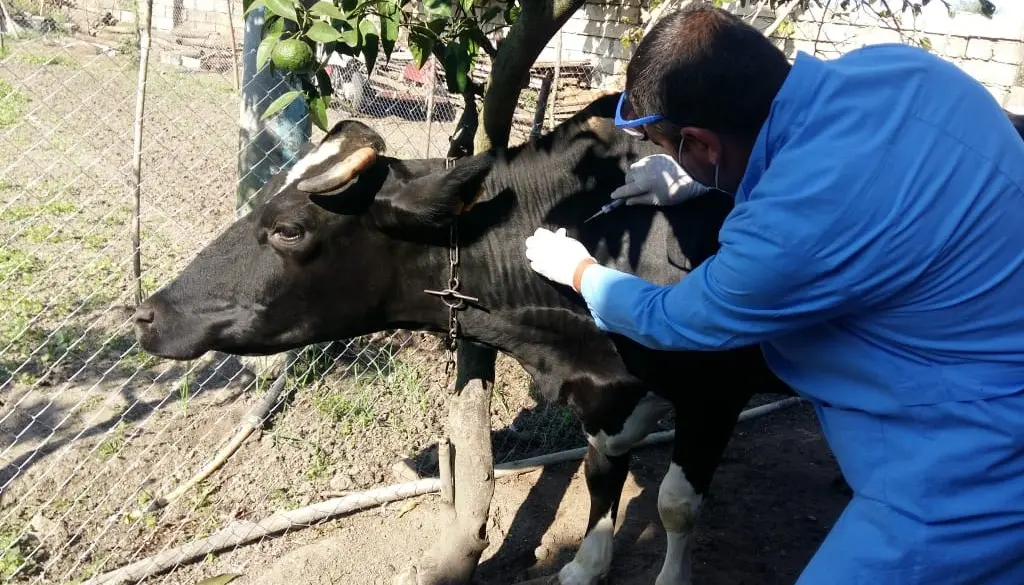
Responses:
[465,458]
[453,558]
[145,21]
[542,104]
[554,84]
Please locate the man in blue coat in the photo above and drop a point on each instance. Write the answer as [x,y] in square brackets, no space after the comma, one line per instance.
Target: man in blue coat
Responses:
[875,252]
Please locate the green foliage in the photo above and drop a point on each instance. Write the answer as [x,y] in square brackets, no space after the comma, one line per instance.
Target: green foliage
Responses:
[453,30]
[12,104]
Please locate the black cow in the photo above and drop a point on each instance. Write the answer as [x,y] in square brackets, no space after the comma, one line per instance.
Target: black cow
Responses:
[347,240]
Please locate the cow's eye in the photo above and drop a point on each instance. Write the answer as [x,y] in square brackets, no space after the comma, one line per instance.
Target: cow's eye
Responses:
[287,233]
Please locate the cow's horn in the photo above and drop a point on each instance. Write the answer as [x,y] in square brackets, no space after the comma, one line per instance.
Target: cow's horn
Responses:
[341,173]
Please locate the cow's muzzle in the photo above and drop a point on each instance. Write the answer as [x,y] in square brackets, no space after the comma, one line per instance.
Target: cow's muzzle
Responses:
[165,332]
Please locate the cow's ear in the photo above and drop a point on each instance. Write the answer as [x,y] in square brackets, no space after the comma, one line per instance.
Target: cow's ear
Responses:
[435,199]
[349,149]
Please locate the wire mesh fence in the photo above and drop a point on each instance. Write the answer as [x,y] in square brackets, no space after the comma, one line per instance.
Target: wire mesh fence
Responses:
[92,429]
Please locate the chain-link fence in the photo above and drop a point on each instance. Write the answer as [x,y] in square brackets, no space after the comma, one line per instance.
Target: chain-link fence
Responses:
[92,428]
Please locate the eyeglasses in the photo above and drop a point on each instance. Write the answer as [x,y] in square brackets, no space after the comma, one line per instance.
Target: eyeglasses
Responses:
[633,126]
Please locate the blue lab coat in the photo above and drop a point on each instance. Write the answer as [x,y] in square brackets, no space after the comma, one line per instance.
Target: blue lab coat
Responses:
[876,252]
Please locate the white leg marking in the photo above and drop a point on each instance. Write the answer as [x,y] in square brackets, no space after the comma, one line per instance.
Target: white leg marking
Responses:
[594,558]
[678,505]
[641,422]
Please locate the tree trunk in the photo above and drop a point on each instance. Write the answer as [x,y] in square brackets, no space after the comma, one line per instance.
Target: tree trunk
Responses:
[465,457]
[454,557]
[537,24]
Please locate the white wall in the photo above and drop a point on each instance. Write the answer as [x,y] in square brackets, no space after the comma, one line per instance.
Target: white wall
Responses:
[990,50]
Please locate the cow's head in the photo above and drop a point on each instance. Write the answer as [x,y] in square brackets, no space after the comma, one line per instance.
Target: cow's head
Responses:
[320,256]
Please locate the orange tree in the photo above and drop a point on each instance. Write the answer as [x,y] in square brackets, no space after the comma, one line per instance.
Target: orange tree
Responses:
[299,36]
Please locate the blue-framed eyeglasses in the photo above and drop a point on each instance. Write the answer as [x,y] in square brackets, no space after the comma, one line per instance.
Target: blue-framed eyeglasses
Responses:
[633,126]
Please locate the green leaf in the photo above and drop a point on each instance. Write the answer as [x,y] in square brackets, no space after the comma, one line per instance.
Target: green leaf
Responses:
[265,48]
[323,83]
[222,579]
[325,8]
[437,26]
[318,110]
[272,24]
[349,35]
[421,46]
[283,8]
[490,14]
[475,38]
[371,43]
[253,5]
[438,9]
[457,62]
[280,103]
[322,32]
[388,26]
[467,5]
[512,14]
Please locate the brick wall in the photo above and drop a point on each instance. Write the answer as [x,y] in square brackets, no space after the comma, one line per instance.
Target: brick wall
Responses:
[990,50]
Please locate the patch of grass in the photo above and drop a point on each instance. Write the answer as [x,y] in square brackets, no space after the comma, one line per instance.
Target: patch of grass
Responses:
[185,391]
[34,59]
[16,555]
[53,208]
[135,360]
[319,465]
[347,411]
[283,498]
[95,241]
[38,234]
[12,104]
[113,444]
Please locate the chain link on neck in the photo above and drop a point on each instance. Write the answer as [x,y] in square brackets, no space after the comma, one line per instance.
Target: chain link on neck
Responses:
[451,296]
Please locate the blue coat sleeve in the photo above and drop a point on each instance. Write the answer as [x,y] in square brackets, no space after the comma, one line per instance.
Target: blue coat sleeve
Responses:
[808,244]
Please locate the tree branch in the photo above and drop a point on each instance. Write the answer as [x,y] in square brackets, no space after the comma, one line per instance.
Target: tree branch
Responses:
[537,24]
[780,16]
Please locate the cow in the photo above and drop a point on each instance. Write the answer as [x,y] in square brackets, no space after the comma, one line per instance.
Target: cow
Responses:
[346,241]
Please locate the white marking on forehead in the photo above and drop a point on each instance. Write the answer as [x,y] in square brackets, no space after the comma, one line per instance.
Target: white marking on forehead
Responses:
[321,154]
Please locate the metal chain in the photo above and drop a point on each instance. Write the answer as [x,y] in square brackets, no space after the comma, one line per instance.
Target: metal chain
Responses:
[451,296]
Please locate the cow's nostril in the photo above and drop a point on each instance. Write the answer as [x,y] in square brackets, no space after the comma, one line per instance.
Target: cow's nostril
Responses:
[144,316]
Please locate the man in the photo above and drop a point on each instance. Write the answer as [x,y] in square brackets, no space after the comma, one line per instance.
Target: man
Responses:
[875,252]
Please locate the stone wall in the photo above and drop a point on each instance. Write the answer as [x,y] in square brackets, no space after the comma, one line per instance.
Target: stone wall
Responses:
[184,17]
[604,32]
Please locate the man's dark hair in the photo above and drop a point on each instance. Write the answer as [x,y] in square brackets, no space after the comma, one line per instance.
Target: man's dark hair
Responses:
[705,67]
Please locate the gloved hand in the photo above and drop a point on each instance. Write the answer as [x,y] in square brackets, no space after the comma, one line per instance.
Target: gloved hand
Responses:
[658,180]
[556,256]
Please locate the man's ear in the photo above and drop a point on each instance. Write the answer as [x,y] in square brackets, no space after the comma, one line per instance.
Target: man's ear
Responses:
[435,199]
[702,144]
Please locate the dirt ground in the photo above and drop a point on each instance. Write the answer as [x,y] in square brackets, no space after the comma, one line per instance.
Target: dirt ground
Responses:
[91,429]
[773,500]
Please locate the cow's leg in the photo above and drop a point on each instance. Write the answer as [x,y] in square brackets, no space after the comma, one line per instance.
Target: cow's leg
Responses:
[703,429]
[605,467]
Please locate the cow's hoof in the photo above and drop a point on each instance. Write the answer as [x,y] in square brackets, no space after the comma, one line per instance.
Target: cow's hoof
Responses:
[406,577]
[576,574]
